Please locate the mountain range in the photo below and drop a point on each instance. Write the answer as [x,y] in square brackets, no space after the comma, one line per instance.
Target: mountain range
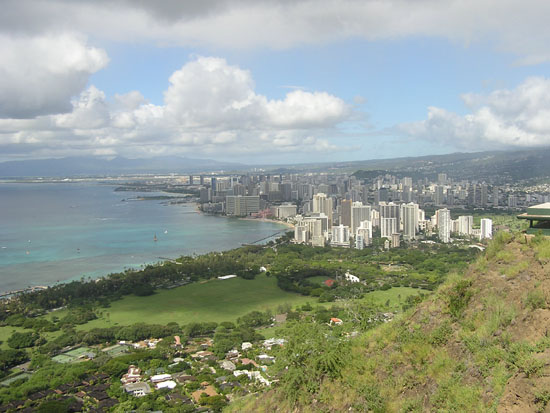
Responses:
[503,166]
[96,166]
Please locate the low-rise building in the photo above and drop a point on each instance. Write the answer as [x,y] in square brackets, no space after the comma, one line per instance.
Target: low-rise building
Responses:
[139,389]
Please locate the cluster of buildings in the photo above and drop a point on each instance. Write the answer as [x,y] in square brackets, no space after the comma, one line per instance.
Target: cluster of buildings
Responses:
[393,221]
[348,210]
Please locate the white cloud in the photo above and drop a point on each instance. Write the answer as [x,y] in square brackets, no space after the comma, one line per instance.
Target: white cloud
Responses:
[510,26]
[39,75]
[504,118]
[210,108]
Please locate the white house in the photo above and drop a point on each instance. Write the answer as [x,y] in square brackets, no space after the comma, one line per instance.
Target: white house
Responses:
[351,278]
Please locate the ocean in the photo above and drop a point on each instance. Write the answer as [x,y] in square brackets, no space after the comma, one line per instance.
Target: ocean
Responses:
[56,232]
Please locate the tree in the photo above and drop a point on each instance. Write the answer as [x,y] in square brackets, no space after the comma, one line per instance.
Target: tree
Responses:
[24,340]
[10,358]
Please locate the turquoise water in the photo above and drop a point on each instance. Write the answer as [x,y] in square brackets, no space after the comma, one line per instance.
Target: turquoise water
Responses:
[52,232]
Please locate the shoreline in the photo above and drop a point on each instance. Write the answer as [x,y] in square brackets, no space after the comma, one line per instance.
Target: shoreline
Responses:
[274,221]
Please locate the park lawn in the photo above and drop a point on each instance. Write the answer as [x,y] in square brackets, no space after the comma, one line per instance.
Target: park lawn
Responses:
[396,296]
[213,300]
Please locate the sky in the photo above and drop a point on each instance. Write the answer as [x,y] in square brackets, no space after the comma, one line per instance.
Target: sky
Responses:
[265,81]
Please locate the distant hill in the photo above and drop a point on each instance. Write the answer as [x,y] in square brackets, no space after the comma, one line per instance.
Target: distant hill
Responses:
[497,166]
[480,343]
[92,166]
[503,166]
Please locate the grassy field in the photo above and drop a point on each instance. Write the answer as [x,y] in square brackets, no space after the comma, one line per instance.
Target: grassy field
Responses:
[215,300]
[395,295]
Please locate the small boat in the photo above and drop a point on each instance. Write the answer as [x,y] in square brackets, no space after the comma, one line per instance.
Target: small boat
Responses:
[166,231]
[155,238]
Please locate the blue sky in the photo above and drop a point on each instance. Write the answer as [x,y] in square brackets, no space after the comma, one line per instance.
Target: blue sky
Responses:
[273,82]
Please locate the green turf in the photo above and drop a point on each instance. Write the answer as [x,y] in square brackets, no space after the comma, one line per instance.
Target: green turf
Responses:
[215,300]
[395,295]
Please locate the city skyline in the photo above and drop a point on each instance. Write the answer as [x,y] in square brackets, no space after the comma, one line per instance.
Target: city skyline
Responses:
[272,81]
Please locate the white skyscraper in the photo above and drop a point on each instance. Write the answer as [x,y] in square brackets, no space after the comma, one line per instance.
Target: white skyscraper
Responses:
[301,234]
[340,236]
[486,228]
[363,235]
[444,224]
[465,224]
[410,221]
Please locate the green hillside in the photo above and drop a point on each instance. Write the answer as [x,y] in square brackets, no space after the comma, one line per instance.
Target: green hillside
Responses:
[479,343]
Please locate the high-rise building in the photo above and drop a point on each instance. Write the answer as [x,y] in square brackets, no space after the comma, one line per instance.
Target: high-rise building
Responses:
[365,232]
[205,195]
[359,213]
[439,195]
[444,224]
[286,191]
[323,204]
[486,229]
[239,189]
[345,212]
[381,195]
[284,211]
[472,195]
[495,196]
[389,210]
[484,195]
[340,236]
[360,241]
[301,234]
[240,206]
[388,226]
[442,178]
[465,224]
[410,221]
[305,191]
